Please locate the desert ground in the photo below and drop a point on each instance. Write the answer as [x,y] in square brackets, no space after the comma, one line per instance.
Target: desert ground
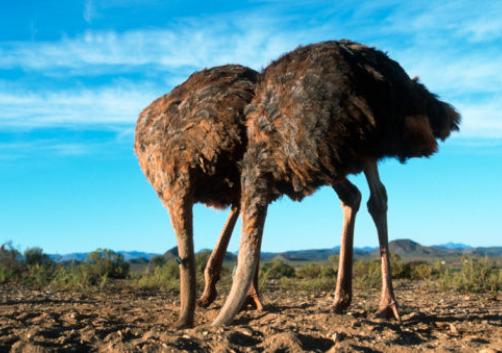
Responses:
[127,320]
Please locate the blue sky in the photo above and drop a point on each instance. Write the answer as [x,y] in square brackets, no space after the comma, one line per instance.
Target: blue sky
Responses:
[75,74]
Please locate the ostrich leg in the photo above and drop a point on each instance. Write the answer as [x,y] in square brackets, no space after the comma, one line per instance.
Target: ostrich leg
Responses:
[181,218]
[253,297]
[377,207]
[254,211]
[215,261]
[350,200]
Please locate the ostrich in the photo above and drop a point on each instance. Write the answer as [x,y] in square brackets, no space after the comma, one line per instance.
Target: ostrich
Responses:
[189,143]
[319,113]
[209,102]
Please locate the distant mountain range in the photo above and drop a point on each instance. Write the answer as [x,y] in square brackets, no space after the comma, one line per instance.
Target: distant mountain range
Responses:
[405,248]
[453,246]
[82,256]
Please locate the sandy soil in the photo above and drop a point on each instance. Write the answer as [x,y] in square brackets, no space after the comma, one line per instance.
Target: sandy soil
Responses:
[130,321]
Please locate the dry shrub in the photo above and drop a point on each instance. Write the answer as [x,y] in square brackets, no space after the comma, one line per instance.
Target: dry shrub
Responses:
[11,266]
[276,269]
[315,270]
[107,263]
[164,276]
[478,275]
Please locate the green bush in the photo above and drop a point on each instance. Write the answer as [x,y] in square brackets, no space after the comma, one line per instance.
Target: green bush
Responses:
[77,276]
[276,269]
[475,275]
[160,277]
[315,270]
[36,256]
[107,263]
[101,265]
[11,265]
[398,267]
[39,268]
[367,273]
[421,270]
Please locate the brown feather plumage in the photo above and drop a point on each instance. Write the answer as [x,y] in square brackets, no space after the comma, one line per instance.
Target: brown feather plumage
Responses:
[192,139]
[321,110]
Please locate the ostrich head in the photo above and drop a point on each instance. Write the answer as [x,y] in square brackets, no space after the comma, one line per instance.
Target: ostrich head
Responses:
[443,118]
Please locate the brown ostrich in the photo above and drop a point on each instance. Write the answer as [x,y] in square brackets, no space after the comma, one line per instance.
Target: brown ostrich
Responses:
[319,113]
[189,143]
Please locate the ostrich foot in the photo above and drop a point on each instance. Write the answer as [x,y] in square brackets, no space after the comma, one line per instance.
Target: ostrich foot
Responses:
[388,311]
[183,323]
[207,298]
[253,300]
[341,303]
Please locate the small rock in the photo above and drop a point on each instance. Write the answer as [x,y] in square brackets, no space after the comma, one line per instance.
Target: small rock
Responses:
[412,315]
[148,335]
[453,329]
[487,350]
[21,347]
[245,331]
[285,342]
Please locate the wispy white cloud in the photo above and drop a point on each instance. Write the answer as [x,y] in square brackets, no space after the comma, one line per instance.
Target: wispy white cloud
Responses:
[482,118]
[450,45]
[107,106]
[18,150]
[252,41]
[89,10]
[441,22]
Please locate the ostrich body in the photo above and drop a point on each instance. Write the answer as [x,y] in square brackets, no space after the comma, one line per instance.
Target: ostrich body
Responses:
[319,113]
[189,143]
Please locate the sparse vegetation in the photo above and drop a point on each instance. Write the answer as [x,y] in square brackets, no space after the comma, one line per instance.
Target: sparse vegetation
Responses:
[36,269]
[35,256]
[315,270]
[161,276]
[11,265]
[367,273]
[107,263]
[33,268]
[276,269]
[478,275]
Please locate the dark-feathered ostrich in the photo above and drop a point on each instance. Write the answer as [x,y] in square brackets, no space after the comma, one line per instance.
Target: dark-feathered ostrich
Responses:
[189,143]
[319,113]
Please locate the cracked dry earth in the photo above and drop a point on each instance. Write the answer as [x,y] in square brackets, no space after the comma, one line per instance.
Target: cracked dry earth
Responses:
[128,321]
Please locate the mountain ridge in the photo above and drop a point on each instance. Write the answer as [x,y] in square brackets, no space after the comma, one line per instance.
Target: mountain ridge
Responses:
[405,248]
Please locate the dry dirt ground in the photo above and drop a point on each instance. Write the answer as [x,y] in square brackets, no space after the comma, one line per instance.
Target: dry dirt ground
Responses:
[129,321]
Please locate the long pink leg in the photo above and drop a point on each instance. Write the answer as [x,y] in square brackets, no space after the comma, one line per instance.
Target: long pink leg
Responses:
[350,198]
[253,297]
[181,218]
[254,211]
[377,207]
[214,263]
